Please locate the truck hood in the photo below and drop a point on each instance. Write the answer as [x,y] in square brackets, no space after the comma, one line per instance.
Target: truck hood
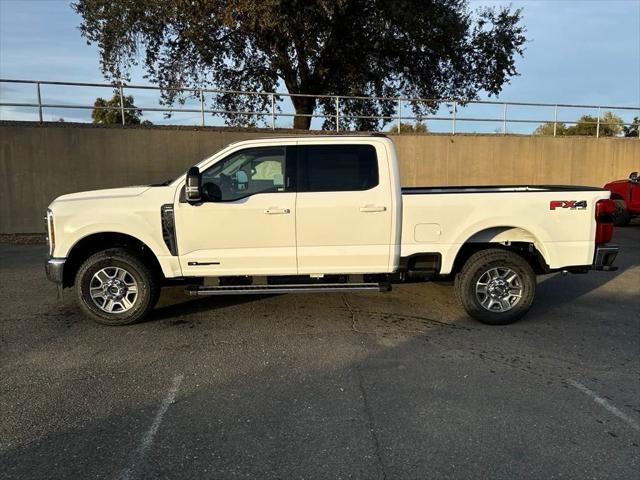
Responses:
[102,194]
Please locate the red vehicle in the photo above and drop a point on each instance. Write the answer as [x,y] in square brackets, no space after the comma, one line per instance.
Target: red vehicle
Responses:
[626,195]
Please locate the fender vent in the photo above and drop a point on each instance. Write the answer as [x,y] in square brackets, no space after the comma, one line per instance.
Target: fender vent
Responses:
[169,228]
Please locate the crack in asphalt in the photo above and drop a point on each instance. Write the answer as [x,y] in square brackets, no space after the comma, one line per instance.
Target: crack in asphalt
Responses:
[353,312]
[371,425]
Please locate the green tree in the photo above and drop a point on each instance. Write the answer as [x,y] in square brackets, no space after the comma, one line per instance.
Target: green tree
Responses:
[418,127]
[413,48]
[587,125]
[110,112]
[547,129]
[632,130]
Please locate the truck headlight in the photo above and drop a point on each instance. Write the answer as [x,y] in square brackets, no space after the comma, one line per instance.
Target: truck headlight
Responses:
[51,233]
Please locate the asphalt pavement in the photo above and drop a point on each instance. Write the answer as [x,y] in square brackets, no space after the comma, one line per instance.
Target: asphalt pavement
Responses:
[373,386]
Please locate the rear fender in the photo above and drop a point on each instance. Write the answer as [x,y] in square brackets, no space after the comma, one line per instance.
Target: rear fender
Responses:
[498,234]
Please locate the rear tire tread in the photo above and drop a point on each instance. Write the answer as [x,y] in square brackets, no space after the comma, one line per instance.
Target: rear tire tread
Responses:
[465,281]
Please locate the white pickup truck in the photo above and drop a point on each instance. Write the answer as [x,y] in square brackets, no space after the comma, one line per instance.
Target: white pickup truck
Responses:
[320,214]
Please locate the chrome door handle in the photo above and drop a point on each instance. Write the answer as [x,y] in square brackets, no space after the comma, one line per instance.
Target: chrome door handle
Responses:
[276,211]
[372,208]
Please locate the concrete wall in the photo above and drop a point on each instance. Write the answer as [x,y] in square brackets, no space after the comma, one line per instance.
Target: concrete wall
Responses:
[38,163]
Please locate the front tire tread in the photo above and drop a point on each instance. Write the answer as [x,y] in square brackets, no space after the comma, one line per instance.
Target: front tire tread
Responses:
[148,286]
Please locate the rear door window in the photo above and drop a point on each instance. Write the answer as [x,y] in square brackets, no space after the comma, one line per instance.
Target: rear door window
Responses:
[337,168]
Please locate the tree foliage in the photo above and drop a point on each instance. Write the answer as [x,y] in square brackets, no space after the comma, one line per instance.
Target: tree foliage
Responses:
[632,130]
[109,111]
[587,125]
[547,128]
[418,127]
[413,48]
[610,125]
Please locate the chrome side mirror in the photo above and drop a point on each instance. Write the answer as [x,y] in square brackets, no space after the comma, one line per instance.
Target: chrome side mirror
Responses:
[193,186]
[634,177]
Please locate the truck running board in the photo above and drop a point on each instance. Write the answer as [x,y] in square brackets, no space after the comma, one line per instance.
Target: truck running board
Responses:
[303,288]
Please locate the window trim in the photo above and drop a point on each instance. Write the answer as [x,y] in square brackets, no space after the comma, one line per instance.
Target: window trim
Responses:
[302,163]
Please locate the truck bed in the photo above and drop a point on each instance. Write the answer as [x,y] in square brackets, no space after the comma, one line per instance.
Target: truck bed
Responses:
[442,219]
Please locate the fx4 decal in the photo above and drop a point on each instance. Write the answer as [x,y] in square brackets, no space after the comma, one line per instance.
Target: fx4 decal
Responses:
[570,204]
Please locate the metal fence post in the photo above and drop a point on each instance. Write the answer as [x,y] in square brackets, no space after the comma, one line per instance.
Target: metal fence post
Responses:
[39,102]
[337,114]
[555,120]
[453,126]
[399,116]
[598,125]
[121,104]
[273,111]
[504,119]
[202,106]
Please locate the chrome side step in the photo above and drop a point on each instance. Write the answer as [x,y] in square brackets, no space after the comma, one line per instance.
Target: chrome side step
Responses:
[303,288]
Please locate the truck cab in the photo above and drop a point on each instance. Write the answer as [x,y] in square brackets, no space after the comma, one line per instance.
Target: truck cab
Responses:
[319,214]
[293,208]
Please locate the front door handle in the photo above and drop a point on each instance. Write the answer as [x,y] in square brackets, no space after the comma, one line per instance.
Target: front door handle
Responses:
[276,211]
[372,208]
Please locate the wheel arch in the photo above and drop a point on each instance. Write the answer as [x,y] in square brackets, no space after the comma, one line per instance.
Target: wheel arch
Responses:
[508,237]
[95,242]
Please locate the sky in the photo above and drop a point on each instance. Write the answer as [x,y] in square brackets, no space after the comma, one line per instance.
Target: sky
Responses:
[578,52]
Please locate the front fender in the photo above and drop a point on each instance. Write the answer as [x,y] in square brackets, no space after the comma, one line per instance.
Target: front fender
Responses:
[71,236]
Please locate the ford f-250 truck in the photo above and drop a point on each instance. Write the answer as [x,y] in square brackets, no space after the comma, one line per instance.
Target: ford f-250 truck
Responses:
[320,214]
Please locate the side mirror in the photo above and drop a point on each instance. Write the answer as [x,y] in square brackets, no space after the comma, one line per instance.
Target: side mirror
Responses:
[634,177]
[193,187]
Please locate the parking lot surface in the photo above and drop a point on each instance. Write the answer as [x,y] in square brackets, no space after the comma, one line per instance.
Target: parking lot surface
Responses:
[397,385]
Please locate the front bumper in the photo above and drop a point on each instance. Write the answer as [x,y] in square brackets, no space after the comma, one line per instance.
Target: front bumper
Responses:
[55,269]
[604,257]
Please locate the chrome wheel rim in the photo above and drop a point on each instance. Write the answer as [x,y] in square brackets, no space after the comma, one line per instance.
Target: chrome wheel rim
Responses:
[499,289]
[113,290]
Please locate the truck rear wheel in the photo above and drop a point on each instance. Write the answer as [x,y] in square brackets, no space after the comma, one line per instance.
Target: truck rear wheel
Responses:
[115,287]
[621,215]
[496,287]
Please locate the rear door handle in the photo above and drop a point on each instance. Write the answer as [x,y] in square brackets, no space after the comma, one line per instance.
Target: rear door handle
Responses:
[276,211]
[372,208]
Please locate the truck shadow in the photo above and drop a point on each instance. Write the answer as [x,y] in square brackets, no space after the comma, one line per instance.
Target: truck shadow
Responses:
[557,291]
[554,291]
[174,302]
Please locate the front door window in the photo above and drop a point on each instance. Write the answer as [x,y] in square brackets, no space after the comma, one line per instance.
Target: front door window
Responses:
[245,173]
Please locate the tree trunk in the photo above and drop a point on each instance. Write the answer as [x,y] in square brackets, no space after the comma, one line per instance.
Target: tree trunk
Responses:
[303,106]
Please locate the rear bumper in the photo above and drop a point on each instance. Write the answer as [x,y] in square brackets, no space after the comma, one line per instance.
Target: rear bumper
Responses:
[604,257]
[55,269]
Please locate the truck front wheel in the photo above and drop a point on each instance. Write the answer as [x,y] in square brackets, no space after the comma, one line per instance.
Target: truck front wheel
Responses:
[496,287]
[115,287]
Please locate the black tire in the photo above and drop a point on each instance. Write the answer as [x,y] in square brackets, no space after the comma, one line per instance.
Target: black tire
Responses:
[148,287]
[481,263]
[621,215]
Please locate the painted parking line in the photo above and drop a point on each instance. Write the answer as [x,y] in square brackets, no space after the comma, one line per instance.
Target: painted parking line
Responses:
[606,405]
[147,439]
